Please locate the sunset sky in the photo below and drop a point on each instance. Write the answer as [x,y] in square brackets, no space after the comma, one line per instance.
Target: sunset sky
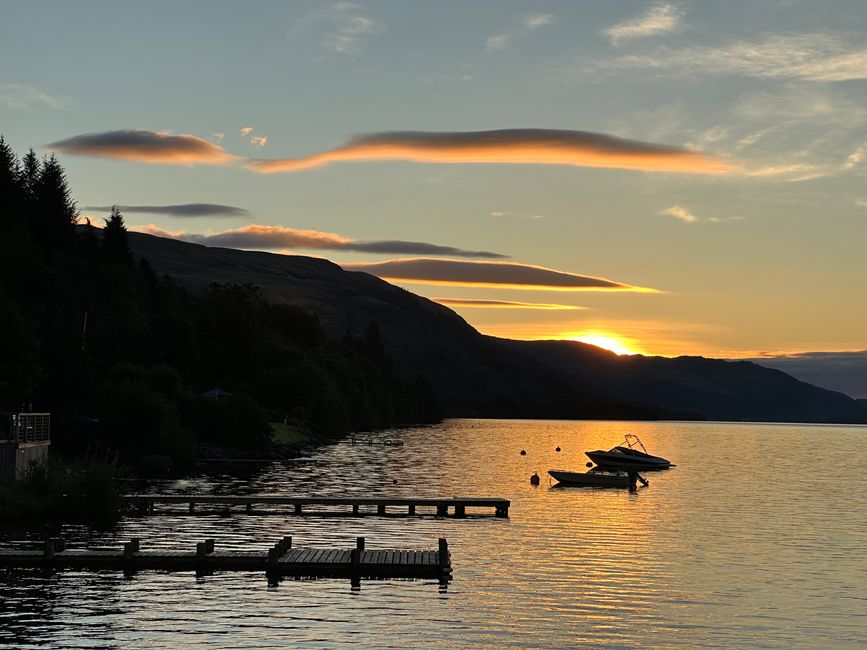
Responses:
[664,178]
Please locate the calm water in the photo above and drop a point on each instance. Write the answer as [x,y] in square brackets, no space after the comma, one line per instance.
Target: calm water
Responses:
[755,540]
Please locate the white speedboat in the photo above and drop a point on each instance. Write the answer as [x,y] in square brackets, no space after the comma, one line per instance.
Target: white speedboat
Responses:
[630,455]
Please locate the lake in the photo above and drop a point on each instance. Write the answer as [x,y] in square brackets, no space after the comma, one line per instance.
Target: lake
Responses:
[757,539]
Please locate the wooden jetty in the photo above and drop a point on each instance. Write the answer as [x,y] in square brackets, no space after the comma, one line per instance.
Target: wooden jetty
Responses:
[281,560]
[361,506]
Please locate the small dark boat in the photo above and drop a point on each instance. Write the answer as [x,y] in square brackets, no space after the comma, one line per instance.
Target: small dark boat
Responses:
[631,455]
[593,478]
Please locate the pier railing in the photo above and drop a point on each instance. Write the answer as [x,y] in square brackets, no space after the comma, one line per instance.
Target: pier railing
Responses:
[30,427]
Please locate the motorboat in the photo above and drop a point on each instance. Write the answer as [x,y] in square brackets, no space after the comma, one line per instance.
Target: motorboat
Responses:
[595,478]
[629,455]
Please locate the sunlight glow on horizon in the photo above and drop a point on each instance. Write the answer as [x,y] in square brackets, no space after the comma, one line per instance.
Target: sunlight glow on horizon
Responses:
[607,341]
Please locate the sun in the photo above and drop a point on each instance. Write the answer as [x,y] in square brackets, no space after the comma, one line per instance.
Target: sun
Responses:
[614,344]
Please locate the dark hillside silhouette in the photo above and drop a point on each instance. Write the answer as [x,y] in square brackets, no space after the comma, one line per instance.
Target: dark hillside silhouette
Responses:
[481,376]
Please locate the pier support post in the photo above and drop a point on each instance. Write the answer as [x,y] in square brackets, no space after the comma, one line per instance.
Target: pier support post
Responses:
[444,553]
[355,567]
[502,511]
[359,543]
[271,571]
[380,509]
[442,510]
[411,509]
[297,508]
[460,510]
[192,507]
[355,509]
[48,550]
[129,551]
[249,507]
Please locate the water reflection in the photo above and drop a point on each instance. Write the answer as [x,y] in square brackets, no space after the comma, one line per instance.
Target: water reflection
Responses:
[727,549]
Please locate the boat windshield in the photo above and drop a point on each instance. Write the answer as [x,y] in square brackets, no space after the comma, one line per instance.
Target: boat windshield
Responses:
[631,441]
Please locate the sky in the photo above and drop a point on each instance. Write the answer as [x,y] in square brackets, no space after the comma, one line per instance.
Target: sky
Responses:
[657,177]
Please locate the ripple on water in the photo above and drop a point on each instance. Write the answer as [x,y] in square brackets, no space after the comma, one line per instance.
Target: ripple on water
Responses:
[729,549]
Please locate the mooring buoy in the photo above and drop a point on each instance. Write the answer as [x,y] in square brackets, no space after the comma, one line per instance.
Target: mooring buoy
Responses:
[534,480]
[523,452]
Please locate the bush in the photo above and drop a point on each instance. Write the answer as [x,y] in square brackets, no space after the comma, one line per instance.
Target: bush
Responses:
[234,421]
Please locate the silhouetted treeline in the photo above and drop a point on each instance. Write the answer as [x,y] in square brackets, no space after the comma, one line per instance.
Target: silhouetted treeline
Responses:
[122,357]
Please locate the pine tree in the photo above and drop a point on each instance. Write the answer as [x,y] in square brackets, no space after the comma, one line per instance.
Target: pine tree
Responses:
[10,188]
[54,216]
[115,241]
[30,169]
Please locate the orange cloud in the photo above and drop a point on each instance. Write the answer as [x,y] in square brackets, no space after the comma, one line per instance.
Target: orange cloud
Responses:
[141,145]
[504,304]
[509,146]
[425,270]
[256,236]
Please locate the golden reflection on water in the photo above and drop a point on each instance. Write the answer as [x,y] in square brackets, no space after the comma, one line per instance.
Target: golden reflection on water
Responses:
[738,546]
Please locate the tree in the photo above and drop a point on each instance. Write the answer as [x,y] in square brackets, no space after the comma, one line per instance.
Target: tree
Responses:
[54,216]
[10,188]
[115,240]
[30,168]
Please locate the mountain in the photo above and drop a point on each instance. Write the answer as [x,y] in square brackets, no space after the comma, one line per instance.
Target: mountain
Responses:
[698,387]
[482,376]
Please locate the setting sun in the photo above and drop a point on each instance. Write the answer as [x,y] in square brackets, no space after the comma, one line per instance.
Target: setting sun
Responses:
[613,343]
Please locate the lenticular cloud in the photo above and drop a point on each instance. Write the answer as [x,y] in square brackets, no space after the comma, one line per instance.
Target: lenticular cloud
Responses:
[426,270]
[141,145]
[508,146]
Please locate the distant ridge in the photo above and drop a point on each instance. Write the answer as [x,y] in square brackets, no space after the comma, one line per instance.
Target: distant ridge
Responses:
[482,376]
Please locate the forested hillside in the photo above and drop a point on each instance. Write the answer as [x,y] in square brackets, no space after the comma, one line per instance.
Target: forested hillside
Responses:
[121,355]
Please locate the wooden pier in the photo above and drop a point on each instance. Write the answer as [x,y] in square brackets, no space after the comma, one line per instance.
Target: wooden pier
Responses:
[280,560]
[360,506]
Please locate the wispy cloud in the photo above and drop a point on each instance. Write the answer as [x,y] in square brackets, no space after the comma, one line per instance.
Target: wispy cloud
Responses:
[856,157]
[658,19]
[350,26]
[683,214]
[528,25]
[679,212]
[260,237]
[179,210]
[24,96]
[255,139]
[511,146]
[791,172]
[487,274]
[501,214]
[815,57]
[504,304]
[141,145]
